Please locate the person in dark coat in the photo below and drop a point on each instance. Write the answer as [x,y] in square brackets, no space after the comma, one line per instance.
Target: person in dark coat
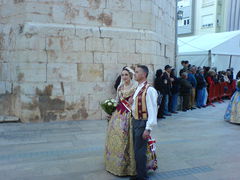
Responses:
[201,84]
[185,67]
[166,82]
[174,92]
[159,87]
[238,75]
[185,91]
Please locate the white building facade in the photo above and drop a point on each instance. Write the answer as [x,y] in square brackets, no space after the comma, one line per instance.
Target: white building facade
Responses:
[202,16]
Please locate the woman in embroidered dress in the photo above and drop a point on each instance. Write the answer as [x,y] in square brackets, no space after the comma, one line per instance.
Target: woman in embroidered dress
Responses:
[233,110]
[119,152]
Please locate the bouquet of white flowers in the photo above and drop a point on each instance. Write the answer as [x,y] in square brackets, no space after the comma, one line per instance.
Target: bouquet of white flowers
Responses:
[109,106]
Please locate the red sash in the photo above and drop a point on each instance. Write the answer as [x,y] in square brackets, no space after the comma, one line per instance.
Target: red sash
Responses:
[126,104]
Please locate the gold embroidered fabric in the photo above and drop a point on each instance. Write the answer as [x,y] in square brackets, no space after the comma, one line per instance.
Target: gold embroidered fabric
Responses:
[233,110]
[119,152]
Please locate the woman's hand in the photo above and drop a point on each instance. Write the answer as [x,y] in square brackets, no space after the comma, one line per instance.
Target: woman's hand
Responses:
[108,117]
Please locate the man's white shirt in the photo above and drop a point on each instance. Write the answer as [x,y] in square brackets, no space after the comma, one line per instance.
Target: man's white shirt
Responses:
[151,102]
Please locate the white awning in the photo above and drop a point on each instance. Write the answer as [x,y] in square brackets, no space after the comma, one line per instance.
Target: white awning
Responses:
[226,43]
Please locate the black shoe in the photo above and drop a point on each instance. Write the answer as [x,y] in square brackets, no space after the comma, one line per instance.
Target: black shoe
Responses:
[199,107]
[161,117]
[184,110]
[192,108]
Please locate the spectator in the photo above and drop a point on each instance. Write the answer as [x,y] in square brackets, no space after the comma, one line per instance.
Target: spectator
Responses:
[184,69]
[220,76]
[185,91]
[166,82]
[174,92]
[201,84]
[159,87]
[187,65]
[192,80]
[238,75]
[225,77]
[230,75]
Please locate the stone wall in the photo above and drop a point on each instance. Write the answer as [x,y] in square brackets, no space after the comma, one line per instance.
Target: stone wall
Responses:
[60,58]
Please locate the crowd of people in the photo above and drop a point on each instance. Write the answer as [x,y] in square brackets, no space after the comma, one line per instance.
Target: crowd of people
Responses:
[139,104]
[193,86]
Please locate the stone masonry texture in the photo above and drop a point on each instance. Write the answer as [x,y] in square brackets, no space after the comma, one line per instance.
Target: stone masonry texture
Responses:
[59,58]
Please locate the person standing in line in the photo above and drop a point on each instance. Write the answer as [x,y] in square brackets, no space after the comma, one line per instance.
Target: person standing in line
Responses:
[167,83]
[174,92]
[192,80]
[159,87]
[238,75]
[201,84]
[185,91]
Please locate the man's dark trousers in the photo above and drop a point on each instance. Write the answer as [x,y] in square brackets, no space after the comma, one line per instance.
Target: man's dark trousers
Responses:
[140,148]
[186,101]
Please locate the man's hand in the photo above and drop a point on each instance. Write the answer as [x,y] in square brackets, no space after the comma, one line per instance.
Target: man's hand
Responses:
[146,134]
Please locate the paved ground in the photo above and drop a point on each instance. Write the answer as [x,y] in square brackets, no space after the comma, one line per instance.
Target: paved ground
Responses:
[195,145]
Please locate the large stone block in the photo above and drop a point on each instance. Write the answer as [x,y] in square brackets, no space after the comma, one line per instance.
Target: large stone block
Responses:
[84,32]
[111,71]
[129,58]
[29,72]
[70,57]
[147,6]
[119,5]
[94,4]
[150,59]
[98,44]
[111,58]
[65,44]
[27,56]
[89,17]
[29,41]
[147,47]
[142,20]
[5,72]
[123,19]
[57,72]
[90,72]
[123,45]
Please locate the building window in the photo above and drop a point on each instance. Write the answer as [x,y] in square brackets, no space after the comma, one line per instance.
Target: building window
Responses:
[186,22]
[206,3]
[207,21]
